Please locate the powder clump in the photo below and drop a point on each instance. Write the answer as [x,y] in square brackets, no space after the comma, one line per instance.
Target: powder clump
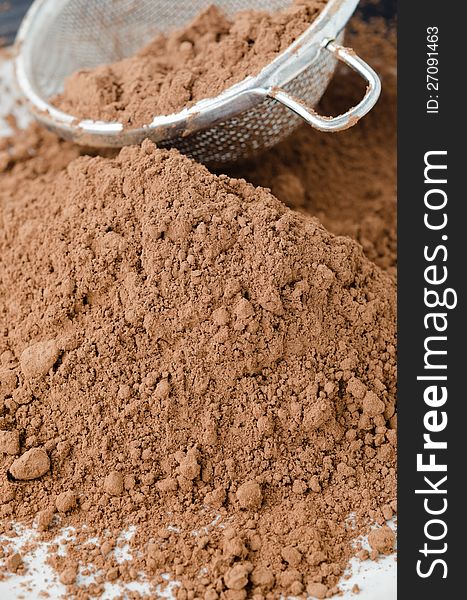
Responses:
[39,358]
[68,575]
[34,463]
[372,405]
[382,540]
[249,495]
[317,590]
[66,501]
[113,484]
[14,562]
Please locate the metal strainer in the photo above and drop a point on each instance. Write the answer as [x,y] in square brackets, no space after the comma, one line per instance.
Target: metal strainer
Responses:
[59,37]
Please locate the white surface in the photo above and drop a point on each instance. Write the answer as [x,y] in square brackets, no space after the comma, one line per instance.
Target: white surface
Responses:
[377,580]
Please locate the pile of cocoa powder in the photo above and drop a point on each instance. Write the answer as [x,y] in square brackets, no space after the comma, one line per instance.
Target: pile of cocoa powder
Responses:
[176,70]
[181,352]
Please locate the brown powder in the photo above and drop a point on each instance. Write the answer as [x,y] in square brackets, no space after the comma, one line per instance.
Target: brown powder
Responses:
[31,465]
[209,345]
[347,180]
[211,353]
[175,71]
[382,540]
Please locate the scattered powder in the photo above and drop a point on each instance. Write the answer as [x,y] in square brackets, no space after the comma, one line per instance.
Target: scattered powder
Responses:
[212,360]
[200,61]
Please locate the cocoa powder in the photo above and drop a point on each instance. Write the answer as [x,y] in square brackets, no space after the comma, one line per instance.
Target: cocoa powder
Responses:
[174,71]
[208,359]
[347,180]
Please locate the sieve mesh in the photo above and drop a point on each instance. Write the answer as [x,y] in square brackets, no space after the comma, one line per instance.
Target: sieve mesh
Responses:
[261,127]
[67,35]
[87,33]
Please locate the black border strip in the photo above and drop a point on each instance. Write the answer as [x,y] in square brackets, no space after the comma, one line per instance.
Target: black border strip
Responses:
[421,132]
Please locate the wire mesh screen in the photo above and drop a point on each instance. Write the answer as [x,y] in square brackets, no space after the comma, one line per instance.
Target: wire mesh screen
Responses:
[261,127]
[68,35]
[87,33]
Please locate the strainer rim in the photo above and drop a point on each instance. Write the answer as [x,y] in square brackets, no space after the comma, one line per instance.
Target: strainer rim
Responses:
[240,96]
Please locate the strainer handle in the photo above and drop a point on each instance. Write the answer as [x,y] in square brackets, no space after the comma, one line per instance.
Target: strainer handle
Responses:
[352,116]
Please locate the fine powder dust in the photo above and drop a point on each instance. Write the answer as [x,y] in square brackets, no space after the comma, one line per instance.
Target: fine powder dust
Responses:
[181,352]
[200,61]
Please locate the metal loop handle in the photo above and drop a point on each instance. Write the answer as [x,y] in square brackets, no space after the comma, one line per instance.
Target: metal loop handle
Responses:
[352,116]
